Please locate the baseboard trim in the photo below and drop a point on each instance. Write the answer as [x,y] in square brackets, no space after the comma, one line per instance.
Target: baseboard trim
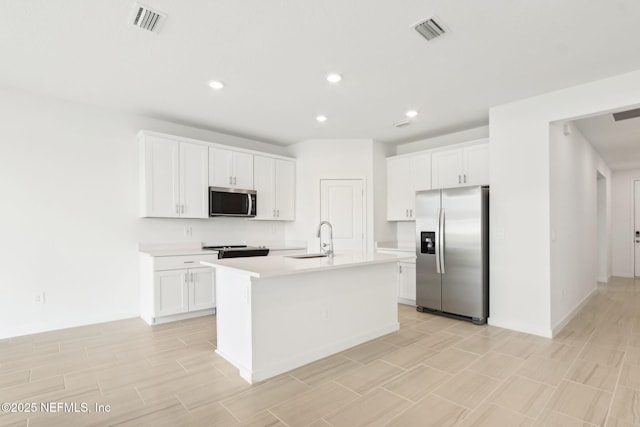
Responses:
[176,317]
[40,327]
[519,327]
[278,367]
[560,325]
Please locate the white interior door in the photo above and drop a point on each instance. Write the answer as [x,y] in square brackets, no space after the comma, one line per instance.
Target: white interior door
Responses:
[342,204]
[636,226]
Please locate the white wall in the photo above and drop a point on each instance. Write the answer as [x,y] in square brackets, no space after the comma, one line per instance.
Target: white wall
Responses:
[330,159]
[383,230]
[622,224]
[520,296]
[69,225]
[574,167]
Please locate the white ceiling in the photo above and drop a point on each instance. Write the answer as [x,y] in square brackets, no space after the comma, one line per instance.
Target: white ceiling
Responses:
[274,55]
[617,142]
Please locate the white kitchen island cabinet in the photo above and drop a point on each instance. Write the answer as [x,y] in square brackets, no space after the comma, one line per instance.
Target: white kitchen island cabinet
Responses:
[275,314]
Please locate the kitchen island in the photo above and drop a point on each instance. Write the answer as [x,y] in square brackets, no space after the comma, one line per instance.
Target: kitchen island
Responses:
[278,313]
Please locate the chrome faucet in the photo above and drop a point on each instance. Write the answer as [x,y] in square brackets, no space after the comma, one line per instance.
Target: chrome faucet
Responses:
[323,247]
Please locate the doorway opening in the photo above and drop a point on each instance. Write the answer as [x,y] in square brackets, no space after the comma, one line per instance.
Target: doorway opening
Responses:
[342,204]
[636,228]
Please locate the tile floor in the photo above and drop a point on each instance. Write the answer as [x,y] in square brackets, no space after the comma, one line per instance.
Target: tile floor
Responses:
[434,372]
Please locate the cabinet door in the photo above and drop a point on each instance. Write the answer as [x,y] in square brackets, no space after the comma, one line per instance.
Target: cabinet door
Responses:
[220,167]
[264,177]
[202,293]
[285,184]
[421,174]
[161,185]
[171,293]
[399,188]
[446,169]
[407,287]
[194,181]
[243,171]
[476,165]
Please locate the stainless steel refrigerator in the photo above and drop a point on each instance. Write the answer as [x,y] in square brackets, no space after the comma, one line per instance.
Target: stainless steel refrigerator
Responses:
[452,249]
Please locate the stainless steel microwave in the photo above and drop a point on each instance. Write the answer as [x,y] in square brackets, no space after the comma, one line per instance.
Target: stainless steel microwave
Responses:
[232,202]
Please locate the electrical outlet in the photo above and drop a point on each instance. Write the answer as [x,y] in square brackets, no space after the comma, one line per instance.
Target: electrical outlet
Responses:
[38,298]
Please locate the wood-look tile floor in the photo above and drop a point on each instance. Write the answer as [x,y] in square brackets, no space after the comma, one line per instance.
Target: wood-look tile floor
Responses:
[434,372]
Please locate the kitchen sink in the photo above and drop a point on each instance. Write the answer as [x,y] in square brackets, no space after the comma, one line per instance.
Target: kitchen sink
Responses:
[307,256]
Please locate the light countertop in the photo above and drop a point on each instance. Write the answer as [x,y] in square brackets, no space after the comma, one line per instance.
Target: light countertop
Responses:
[179,252]
[396,246]
[274,266]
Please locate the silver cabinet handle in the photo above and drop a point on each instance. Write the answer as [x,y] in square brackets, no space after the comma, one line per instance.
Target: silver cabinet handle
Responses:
[182,208]
[465,178]
[410,213]
[278,213]
[186,277]
[406,213]
[400,269]
[235,180]
[177,209]
[191,277]
[459,180]
[274,213]
[230,180]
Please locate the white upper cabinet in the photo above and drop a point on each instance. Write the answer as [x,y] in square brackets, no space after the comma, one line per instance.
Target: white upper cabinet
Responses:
[230,169]
[461,166]
[194,181]
[405,176]
[275,188]
[173,178]
[476,164]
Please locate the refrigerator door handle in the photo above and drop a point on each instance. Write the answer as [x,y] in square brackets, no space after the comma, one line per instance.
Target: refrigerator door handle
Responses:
[441,232]
[437,243]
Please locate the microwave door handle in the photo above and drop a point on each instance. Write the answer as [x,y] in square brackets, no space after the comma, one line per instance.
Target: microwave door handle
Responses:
[250,204]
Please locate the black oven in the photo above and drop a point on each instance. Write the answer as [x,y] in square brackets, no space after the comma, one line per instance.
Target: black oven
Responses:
[232,202]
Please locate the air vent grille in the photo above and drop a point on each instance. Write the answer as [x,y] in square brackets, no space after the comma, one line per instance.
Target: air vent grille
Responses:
[626,115]
[429,29]
[146,19]
[402,123]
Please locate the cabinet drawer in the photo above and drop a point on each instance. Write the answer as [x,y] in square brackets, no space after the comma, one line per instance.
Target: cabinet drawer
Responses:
[182,261]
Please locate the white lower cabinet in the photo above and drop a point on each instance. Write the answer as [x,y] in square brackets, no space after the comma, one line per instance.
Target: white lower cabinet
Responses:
[407,283]
[406,277]
[175,287]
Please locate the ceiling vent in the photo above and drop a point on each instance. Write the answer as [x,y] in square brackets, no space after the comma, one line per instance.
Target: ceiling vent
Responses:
[402,123]
[626,115]
[147,19]
[429,29]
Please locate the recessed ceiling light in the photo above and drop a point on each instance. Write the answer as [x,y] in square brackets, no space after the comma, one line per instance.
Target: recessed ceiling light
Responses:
[334,78]
[411,114]
[216,85]
[321,118]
